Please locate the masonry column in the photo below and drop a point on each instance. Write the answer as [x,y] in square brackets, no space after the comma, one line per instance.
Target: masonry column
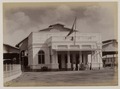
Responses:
[80,57]
[84,58]
[91,64]
[99,56]
[68,60]
[89,59]
[54,60]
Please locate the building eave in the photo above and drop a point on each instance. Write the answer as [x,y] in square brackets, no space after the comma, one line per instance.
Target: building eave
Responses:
[17,45]
[11,46]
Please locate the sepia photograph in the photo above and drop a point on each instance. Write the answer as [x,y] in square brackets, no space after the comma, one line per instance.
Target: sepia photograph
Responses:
[60,44]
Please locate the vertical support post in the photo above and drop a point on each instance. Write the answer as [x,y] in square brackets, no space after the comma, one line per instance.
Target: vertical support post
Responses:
[91,60]
[68,60]
[97,54]
[98,59]
[6,67]
[56,58]
[113,60]
[9,70]
[84,58]
[80,59]
[74,62]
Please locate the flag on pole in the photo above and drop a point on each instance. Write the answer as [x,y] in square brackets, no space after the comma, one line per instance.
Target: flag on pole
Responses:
[72,30]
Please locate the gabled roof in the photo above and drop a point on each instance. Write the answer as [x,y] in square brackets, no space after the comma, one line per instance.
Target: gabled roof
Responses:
[57,26]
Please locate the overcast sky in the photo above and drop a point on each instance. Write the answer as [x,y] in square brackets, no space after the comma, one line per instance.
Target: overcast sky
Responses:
[20,19]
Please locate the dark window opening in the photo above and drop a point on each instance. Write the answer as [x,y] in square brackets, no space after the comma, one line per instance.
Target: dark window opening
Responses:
[41,57]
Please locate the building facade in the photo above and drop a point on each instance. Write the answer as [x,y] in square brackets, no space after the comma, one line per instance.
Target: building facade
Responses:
[49,48]
[110,53]
[10,54]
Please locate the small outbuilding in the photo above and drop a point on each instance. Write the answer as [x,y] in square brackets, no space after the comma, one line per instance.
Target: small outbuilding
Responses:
[110,53]
[10,54]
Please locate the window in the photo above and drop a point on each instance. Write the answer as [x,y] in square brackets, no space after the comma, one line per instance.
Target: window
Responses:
[41,57]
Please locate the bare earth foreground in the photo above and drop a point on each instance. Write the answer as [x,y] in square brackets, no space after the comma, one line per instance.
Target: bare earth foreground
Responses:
[106,77]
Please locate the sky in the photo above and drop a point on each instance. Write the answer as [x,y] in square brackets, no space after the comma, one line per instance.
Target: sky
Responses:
[20,19]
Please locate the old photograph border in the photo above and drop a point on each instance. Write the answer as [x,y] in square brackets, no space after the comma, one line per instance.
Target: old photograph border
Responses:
[58,86]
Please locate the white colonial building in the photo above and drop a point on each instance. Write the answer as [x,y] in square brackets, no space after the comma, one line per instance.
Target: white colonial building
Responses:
[48,47]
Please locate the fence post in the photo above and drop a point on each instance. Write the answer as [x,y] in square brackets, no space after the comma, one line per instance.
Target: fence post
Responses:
[10,69]
[5,67]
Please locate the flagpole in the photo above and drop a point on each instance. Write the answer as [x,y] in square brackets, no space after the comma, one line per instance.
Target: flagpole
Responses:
[72,30]
[74,37]
[75,31]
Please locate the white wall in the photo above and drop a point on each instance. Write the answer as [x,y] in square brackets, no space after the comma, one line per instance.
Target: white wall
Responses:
[38,41]
[33,57]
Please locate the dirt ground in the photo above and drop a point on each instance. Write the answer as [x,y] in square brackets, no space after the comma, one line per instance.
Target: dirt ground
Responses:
[103,77]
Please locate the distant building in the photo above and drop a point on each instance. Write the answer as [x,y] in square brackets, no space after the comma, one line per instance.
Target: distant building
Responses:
[110,52]
[10,54]
[49,48]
